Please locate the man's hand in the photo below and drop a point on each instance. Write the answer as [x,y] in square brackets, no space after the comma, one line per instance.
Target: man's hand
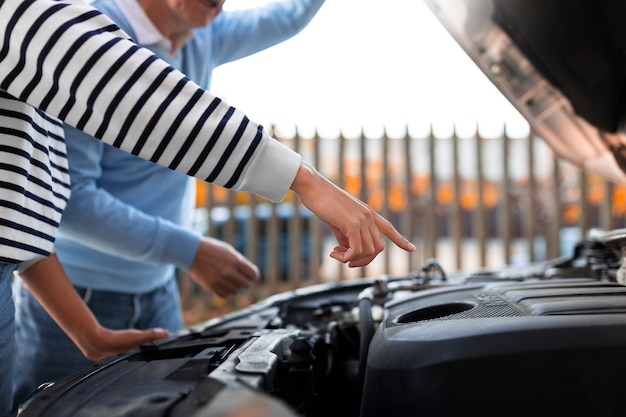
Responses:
[356,226]
[221,268]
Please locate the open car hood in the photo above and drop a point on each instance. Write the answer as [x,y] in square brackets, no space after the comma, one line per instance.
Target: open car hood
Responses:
[561,63]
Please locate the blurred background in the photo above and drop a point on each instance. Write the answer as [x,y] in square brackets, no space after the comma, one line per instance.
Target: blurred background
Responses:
[381,99]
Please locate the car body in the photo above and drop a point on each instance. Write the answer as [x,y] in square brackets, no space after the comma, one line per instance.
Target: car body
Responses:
[560,63]
[543,339]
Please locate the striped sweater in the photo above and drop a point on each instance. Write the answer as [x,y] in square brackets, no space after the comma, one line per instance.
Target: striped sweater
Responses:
[66,61]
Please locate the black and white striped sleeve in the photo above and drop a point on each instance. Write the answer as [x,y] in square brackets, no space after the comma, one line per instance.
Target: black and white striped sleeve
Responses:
[75,64]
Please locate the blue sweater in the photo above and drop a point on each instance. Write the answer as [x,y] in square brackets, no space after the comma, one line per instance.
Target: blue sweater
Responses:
[127,224]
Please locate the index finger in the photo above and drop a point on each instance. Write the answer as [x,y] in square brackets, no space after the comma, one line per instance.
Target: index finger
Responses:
[386,228]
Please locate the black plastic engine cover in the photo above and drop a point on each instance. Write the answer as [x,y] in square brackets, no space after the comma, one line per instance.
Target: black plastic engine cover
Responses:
[526,349]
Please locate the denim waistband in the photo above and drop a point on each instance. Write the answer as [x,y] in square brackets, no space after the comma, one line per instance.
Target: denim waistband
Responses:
[6,270]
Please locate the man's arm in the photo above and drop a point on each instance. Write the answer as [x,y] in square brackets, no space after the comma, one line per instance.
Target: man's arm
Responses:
[101,221]
[243,32]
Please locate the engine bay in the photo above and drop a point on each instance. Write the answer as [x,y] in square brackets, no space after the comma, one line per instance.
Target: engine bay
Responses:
[546,338]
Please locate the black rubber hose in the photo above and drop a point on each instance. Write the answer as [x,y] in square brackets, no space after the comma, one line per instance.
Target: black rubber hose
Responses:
[367,332]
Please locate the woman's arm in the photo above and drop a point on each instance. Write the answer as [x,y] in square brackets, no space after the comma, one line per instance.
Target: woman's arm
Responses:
[48,283]
[72,62]
[77,66]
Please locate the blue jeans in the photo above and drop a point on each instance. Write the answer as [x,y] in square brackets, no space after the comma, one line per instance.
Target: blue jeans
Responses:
[7,338]
[40,339]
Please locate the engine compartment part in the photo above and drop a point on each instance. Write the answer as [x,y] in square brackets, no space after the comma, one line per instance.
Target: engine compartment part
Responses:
[550,348]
